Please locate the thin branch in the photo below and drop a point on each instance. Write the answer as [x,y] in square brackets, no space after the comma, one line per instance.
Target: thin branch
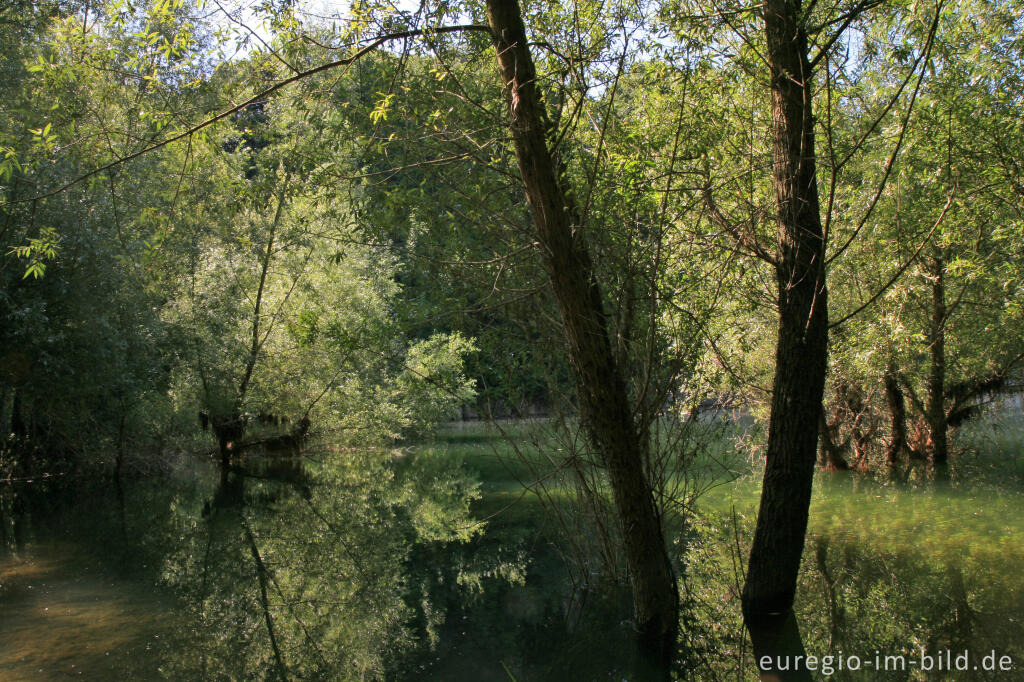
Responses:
[846,20]
[899,141]
[259,96]
[254,34]
[902,269]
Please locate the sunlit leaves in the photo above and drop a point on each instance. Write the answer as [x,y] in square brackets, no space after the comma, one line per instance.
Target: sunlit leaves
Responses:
[37,252]
[380,112]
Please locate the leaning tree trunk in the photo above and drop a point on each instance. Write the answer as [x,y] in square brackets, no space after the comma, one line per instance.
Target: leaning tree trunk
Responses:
[230,426]
[801,355]
[937,427]
[604,402]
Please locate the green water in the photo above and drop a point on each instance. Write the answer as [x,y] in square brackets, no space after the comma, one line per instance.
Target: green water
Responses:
[431,563]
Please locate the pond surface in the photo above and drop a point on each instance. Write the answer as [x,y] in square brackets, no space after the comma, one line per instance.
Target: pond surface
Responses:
[432,565]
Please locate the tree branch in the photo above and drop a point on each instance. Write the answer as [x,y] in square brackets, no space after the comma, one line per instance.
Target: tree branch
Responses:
[346,61]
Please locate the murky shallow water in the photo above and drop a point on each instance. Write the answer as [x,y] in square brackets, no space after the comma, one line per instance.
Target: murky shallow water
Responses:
[65,618]
[343,568]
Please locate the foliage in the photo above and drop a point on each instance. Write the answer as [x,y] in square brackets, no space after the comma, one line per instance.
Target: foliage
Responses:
[263,216]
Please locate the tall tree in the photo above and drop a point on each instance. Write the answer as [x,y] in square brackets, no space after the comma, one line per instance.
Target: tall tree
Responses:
[605,404]
[946,230]
[801,356]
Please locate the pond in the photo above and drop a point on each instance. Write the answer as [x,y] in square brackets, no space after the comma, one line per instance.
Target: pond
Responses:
[430,563]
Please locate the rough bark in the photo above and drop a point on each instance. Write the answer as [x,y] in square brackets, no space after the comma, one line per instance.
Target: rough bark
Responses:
[802,352]
[937,428]
[604,402]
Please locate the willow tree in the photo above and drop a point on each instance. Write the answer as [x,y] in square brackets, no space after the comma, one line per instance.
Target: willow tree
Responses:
[537,127]
[605,404]
[789,126]
[948,326]
[286,318]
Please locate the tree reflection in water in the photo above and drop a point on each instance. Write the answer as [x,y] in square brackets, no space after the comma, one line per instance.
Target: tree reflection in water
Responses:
[302,570]
[365,565]
[862,595]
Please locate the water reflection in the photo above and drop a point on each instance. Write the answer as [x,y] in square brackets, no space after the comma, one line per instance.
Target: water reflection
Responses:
[911,604]
[303,570]
[891,575]
[284,568]
[778,648]
[342,565]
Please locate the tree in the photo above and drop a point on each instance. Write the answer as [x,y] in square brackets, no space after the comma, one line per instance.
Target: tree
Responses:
[925,337]
[604,402]
[802,351]
[284,315]
[791,234]
[83,350]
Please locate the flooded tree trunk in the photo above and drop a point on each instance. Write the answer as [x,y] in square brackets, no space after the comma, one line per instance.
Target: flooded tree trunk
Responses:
[861,429]
[777,642]
[897,415]
[229,429]
[937,429]
[604,403]
[831,452]
[802,352]
[229,425]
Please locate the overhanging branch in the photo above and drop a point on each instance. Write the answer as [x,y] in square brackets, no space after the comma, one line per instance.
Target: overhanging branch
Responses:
[301,75]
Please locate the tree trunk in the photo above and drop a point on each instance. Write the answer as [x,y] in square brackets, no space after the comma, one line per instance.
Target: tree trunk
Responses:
[897,414]
[937,428]
[776,640]
[801,355]
[604,403]
[860,437]
[831,452]
[229,429]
